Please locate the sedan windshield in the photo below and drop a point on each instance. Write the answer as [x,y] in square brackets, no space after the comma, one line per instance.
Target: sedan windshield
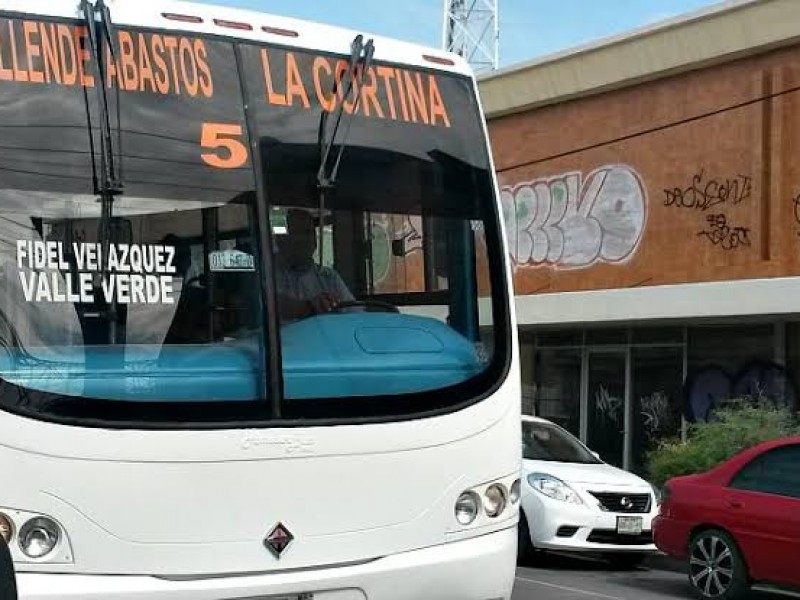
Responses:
[544,441]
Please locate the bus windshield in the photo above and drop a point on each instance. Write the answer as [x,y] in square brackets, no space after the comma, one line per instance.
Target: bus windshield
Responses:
[150,309]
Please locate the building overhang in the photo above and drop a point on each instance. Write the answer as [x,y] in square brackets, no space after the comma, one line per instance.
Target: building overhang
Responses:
[712,300]
[724,32]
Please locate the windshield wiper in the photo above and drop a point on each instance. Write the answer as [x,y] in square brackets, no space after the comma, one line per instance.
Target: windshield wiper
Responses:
[114,166]
[360,60]
[110,180]
[108,184]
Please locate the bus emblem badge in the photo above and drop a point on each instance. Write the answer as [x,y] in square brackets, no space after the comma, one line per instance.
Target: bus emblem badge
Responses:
[278,540]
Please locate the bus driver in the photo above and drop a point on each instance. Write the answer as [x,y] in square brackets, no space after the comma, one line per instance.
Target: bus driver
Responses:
[305,288]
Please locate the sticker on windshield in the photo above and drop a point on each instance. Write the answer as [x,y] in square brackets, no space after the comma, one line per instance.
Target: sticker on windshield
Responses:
[54,272]
[231,260]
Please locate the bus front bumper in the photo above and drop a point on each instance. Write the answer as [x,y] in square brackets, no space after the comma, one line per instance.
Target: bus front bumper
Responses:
[480,568]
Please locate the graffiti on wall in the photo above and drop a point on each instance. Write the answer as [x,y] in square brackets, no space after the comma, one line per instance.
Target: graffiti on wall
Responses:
[759,381]
[702,193]
[705,193]
[657,416]
[569,221]
[719,233]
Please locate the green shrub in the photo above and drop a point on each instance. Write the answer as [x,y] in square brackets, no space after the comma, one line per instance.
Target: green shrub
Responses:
[735,427]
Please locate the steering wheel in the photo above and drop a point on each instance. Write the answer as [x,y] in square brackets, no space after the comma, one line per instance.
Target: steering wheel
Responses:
[201,279]
[368,305]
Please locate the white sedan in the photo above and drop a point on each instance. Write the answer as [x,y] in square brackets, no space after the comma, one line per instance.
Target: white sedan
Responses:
[572,501]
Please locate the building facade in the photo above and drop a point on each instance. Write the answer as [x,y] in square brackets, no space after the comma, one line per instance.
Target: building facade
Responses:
[651,192]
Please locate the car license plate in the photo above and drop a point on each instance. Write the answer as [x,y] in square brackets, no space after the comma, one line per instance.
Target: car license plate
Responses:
[629,525]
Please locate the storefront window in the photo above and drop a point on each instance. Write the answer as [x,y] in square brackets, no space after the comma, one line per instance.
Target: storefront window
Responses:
[730,347]
[606,405]
[657,374]
[627,389]
[604,336]
[657,335]
[734,362]
[559,338]
[557,387]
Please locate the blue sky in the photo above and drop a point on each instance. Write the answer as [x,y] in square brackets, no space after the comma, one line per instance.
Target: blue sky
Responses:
[528,28]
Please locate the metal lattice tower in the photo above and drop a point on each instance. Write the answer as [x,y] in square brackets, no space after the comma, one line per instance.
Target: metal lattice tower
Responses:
[472,30]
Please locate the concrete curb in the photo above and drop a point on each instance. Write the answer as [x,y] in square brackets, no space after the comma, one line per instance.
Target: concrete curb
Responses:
[662,562]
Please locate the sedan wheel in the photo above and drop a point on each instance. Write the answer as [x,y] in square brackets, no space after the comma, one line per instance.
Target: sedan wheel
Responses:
[716,568]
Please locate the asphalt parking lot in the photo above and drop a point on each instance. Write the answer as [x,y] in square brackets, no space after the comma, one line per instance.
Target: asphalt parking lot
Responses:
[565,578]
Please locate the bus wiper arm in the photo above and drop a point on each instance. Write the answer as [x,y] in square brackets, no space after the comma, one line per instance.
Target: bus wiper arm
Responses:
[360,60]
[113,45]
[100,28]
[110,176]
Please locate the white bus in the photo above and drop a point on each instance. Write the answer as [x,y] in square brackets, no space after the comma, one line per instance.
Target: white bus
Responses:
[256,337]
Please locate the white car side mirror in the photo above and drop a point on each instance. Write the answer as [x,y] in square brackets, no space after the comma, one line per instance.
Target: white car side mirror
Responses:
[596,454]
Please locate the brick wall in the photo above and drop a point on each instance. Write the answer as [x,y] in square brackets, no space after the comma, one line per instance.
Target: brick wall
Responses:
[690,178]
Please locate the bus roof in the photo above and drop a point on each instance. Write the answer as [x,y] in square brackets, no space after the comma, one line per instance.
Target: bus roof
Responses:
[220,20]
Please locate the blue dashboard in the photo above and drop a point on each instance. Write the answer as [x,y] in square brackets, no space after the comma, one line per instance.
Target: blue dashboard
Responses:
[328,356]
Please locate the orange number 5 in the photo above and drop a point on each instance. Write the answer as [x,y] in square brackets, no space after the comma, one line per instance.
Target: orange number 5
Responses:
[231,153]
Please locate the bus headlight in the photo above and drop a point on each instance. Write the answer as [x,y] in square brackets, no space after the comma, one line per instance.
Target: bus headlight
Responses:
[38,537]
[494,500]
[467,507]
[6,528]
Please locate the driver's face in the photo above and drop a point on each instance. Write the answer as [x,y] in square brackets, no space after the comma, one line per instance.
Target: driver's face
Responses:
[298,246]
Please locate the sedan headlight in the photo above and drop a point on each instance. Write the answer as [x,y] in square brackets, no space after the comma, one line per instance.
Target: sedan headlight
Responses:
[38,537]
[656,494]
[516,491]
[553,487]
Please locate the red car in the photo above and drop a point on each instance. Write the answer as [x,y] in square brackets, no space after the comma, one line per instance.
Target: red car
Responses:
[738,525]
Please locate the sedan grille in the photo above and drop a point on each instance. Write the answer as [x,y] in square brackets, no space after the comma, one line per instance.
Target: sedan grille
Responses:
[611,537]
[624,503]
